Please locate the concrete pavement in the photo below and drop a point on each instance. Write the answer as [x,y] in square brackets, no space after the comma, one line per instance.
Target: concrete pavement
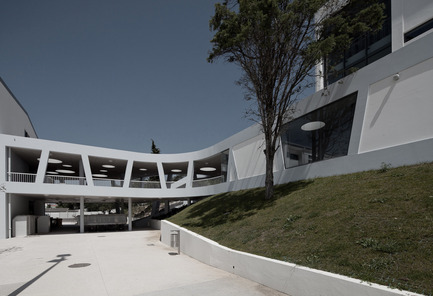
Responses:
[111,263]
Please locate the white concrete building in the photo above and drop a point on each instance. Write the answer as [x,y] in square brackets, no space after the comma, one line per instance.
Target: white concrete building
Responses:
[379,114]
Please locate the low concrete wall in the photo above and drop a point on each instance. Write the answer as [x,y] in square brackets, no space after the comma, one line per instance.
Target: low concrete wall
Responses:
[285,277]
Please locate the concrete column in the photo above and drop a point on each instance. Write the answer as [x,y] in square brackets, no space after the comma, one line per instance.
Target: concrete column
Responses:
[42,168]
[232,174]
[87,169]
[128,174]
[189,201]
[4,217]
[9,215]
[39,208]
[155,208]
[161,175]
[81,214]
[167,206]
[129,214]
[81,173]
[190,174]
[9,164]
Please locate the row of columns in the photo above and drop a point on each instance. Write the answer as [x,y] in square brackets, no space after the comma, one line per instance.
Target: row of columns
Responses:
[82,214]
[166,210]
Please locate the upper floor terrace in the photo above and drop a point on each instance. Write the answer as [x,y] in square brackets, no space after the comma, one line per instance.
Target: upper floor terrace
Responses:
[41,167]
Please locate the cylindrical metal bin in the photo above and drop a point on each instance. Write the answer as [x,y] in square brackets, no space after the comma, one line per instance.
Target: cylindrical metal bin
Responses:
[175,240]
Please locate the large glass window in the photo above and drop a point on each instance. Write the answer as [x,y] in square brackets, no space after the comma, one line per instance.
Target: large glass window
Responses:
[364,50]
[211,170]
[319,135]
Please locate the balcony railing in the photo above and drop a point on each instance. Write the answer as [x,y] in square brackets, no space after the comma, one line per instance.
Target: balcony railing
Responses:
[70,180]
[21,177]
[208,181]
[107,182]
[145,184]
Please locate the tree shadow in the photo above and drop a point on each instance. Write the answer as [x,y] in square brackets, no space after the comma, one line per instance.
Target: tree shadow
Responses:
[234,206]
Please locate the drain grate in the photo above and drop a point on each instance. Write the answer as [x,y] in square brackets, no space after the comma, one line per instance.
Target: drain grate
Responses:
[79,265]
[150,245]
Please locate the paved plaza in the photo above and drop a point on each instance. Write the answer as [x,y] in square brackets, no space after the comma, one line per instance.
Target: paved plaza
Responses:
[111,263]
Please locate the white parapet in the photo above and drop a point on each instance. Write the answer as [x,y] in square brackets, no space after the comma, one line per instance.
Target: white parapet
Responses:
[285,277]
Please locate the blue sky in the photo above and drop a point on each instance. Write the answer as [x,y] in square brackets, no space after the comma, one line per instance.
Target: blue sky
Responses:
[117,74]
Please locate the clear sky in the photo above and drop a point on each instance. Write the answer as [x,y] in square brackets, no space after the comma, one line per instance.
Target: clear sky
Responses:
[118,73]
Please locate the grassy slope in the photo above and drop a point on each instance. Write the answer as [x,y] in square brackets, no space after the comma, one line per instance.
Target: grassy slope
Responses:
[376,226]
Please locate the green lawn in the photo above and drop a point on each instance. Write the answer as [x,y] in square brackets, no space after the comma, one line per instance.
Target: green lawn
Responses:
[376,226]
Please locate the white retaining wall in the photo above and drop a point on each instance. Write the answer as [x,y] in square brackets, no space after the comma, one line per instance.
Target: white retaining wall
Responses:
[285,277]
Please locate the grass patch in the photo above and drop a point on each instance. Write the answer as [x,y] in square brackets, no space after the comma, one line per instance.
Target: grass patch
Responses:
[376,226]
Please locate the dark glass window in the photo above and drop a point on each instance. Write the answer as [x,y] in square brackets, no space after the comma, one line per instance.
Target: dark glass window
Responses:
[319,135]
[418,30]
[364,50]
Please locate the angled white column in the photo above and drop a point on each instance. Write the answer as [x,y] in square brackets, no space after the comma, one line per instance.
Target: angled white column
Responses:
[81,214]
[42,167]
[128,173]
[190,174]
[129,214]
[232,174]
[161,175]
[87,170]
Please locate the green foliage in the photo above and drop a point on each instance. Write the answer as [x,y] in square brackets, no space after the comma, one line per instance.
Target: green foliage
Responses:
[373,226]
[277,43]
[384,167]
[154,149]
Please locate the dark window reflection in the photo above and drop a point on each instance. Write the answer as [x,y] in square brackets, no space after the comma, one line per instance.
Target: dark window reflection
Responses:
[321,134]
[364,50]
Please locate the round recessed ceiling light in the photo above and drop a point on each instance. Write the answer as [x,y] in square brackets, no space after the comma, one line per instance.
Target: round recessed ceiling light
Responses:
[143,169]
[99,175]
[103,171]
[176,171]
[65,171]
[53,173]
[67,165]
[52,160]
[208,169]
[312,126]
[108,166]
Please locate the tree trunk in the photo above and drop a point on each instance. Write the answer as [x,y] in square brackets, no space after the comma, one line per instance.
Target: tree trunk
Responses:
[269,182]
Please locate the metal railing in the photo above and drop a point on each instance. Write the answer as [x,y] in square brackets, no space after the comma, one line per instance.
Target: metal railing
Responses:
[144,184]
[107,182]
[21,177]
[208,181]
[69,180]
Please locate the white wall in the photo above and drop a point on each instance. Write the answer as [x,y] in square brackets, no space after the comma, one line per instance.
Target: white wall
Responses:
[249,158]
[399,111]
[285,277]
[19,205]
[407,15]
[13,118]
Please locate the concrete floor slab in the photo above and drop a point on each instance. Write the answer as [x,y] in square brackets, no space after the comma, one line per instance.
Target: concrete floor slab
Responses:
[111,263]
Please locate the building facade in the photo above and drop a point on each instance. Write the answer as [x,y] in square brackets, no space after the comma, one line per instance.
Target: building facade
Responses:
[378,114]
